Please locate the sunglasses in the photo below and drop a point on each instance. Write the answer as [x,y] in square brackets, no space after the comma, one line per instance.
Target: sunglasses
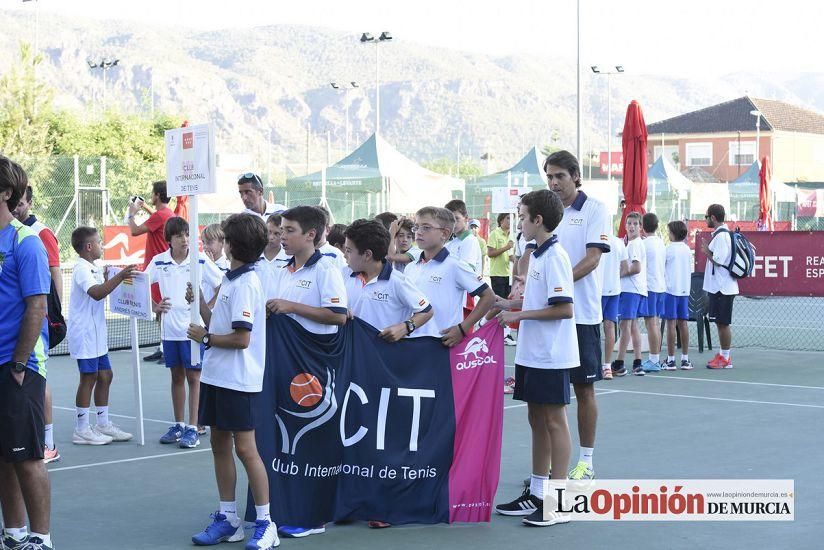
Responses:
[250,176]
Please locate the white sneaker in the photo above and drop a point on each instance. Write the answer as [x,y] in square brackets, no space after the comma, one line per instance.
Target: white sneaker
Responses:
[509,340]
[265,536]
[90,437]
[114,432]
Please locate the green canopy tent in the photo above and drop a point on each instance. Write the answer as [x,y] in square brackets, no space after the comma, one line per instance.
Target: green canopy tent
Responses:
[745,190]
[374,178]
[527,172]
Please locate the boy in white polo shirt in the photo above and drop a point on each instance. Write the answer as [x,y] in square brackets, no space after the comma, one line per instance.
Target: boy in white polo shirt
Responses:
[376,292]
[611,296]
[653,307]
[325,248]
[464,244]
[676,300]
[444,279]
[87,338]
[273,258]
[212,239]
[547,351]
[171,271]
[633,289]
[232,378]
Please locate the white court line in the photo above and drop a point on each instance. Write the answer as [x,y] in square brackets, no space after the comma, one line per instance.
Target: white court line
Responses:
[667,377]
[94,464]
[607,392]
[721,399]
[167,422]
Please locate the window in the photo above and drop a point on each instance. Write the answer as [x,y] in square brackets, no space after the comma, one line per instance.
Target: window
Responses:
[743,155]
[699,154]
[670,153]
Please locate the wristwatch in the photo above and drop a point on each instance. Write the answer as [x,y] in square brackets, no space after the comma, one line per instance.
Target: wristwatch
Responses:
[410,327]
[18,367]
[205,340]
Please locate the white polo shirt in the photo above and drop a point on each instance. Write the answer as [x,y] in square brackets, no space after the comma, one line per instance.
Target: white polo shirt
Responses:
[585,225]
[637,284]
[222,264]
[386,300]
[414,254]
[86,323]
[267,271]
[548,344]
[172,278]
[444,280]
[656,260]
[678,269]
[611,266]
[318,283]
[269,209]
[465,247]
[337,256]
[716,277]
[239,305]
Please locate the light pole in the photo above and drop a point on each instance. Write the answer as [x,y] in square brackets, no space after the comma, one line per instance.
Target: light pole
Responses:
[345,89]
[597,70]
[104,64]
[366,37]
[757,114]
[36,25]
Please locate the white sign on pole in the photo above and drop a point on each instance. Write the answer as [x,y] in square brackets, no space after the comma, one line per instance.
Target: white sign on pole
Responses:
[506,199]
[190,170]
[133,298]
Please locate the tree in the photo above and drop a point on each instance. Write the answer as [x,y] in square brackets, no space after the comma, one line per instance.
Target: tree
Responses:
[468,168]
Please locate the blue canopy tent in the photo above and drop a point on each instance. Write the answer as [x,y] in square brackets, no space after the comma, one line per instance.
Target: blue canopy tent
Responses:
[527,172]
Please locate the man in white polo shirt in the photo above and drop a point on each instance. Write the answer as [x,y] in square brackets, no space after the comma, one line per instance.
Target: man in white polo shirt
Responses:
[378,294]
[584,233]
[250,187]
[719,284]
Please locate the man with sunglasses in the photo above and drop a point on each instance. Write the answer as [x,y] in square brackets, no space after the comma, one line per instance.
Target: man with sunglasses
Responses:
[250,187]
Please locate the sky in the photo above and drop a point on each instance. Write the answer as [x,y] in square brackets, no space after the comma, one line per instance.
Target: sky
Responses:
[698,37]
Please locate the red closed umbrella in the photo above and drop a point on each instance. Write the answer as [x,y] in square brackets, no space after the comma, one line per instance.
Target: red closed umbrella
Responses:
[764,222]
[634,145]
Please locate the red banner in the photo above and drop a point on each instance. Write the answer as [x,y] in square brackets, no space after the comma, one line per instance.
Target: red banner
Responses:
[617,164]
[787,263]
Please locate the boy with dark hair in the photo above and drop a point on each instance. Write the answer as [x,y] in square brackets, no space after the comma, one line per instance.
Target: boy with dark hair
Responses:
[652,308]
[171,270]
[402,248]
[386,218]
[88,338]
[273,259]
[633,289]
[232,378]
[323,245]
[309,289]
[676,300]
[377,293]
[445,279]
[336,236]
[547,351]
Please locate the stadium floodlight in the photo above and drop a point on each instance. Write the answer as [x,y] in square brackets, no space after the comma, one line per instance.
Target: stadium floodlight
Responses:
[367,37]
[595,69]
[345,90]
[619,69]
[757,114]
[335,85]
[385,36]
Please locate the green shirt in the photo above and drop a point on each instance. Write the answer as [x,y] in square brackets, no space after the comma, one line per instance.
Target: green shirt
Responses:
[499,266]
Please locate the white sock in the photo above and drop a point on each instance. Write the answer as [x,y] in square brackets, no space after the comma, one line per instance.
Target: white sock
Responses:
[654,357]
[103,415]
[725,353]
[82,422]
[45,537]
[586,455]
[685,357]
[229,509]
[181,425]
[49,436]
[192,427]
[262,512]
[536,485]
[670,358]
[17,533]
[606,366]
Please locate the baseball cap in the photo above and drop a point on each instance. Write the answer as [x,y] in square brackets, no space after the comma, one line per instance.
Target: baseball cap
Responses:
[474,222]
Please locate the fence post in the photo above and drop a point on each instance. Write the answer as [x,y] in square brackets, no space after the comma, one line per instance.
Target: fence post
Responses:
[104,193]
[76,191]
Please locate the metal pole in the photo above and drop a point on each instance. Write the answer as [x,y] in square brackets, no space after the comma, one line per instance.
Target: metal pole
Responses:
[308,129]
[151,92]
[328,148]
[104,89]
[138,385]
[758,139]
[377,88]
[580,138]
[346,118]
[269,157]
[609,128]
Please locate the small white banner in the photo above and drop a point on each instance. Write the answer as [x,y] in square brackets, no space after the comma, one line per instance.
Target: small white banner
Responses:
[190,166]
[506,199]
[132,298]
[673,500]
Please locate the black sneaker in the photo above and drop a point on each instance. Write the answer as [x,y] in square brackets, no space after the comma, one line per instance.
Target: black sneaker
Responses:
[521,506]
[157,354]
[618,368]
[537,519]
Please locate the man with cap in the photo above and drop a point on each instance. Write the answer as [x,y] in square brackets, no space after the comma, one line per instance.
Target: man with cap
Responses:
[474,226]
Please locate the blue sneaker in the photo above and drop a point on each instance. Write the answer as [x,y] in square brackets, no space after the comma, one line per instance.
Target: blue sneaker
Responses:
[265,537]
[189,439]
[650,366]
[289,532]
[220,530]
[173,435]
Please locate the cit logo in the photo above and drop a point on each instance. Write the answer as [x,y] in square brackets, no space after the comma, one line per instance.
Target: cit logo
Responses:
[576,221]
[304,283]
[380,296]
[307,392]
[435,279]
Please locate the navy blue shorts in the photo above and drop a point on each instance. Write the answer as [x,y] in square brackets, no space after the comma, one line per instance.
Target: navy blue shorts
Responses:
[720,308]
[652,305]
[22,416]
[178,353]
[676,307]
[629,305]
[589,351]
[609,307]
[91,366]
[541,386]
[225,409]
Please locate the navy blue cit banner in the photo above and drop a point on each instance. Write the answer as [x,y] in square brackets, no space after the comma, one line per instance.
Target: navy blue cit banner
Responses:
[352,427]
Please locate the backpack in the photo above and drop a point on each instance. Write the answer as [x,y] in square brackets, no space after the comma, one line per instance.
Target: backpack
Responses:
[742,258]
